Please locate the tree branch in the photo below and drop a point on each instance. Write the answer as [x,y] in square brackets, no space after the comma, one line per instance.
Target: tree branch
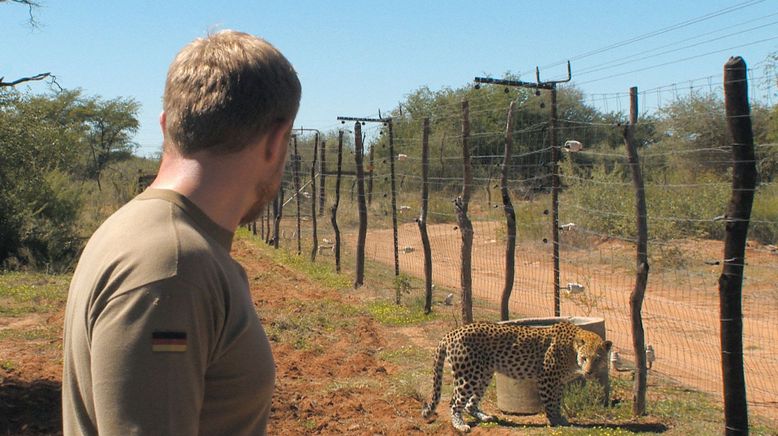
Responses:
[40,76]
[30,5]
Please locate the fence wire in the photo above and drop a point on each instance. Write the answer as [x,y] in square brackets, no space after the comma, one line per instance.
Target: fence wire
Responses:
[597,235]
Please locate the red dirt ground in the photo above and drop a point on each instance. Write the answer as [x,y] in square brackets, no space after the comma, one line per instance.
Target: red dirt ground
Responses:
[304,401]
[339,385]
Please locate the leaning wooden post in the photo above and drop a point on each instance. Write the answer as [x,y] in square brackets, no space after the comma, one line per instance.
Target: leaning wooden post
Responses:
[465,226]
[322,176]
[737,220]
[278,208]
[394,203]
[334,209]
[510,219]
[425,199]
[555,199]
[314,236]
[641,278]
[362,206]
[262,224]
[370,169]
[296,175]
[268,233]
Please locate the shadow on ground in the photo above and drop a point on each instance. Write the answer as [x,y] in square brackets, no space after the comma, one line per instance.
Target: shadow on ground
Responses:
[30,408]
[633,427]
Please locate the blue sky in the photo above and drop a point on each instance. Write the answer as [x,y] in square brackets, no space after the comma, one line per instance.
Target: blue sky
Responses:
[355,58]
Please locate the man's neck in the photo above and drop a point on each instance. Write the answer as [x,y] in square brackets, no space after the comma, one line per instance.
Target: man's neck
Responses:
[213,184]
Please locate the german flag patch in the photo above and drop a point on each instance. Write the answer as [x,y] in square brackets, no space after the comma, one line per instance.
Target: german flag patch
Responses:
[168,342]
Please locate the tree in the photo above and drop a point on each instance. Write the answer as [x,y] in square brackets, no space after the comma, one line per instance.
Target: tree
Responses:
[695,128]
[38,207]
[31,5]
[488,106]
[49,144]
[110,126]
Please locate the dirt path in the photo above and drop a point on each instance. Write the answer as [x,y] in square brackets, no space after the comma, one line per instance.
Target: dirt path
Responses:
[337,385]
[680,310]
[334,378]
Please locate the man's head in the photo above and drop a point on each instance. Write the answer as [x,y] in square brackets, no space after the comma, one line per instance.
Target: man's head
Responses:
[225,91]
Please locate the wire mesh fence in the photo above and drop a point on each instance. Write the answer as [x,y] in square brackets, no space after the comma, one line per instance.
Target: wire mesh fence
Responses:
[687,183]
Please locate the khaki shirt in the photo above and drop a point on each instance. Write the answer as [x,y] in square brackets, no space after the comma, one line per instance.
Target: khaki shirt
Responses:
[161,335]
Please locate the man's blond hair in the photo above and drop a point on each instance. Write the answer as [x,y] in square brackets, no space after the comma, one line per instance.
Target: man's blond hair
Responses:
[226,90]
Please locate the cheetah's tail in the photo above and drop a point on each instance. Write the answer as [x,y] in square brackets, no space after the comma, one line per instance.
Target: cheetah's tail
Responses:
[440,358]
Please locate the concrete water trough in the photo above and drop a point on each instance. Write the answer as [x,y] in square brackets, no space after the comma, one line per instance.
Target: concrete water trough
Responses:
[521,396]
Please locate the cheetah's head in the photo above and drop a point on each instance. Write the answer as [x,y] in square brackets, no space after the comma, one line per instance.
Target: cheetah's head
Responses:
[592,352]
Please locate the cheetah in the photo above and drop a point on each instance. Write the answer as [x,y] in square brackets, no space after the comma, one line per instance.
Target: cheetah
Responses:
[552,356]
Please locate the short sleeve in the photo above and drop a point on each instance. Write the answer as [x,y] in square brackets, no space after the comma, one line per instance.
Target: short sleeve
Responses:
[150,349]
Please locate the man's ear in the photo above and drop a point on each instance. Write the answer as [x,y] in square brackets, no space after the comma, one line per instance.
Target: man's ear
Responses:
[162,121]
[277,139]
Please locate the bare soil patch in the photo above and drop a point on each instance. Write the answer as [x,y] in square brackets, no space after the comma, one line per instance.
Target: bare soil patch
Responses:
[339,385]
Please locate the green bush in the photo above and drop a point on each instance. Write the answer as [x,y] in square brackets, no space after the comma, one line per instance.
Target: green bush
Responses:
[39,223]
[686,208]
[583,397]
[764,215]
[681,206]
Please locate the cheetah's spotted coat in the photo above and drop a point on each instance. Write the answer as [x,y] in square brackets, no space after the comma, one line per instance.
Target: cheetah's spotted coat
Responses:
[552,356]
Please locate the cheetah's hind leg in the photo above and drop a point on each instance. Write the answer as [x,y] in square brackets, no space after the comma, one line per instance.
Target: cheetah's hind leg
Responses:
[459,423]
[457,404]
[478,393]
[481,416]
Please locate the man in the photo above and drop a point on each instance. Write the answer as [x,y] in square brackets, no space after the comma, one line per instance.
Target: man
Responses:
[161,336]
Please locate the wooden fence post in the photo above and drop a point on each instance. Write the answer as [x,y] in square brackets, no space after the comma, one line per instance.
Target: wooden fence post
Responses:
[322,177]
[278,208]
[737,220]
[262,223]
[510,219]
[362,206]
[422,221]
[465,226]
[314,236]
[296,175]
[641,279]
[393,176]
[555,198]
[268,232]
[334,210]
[370,169]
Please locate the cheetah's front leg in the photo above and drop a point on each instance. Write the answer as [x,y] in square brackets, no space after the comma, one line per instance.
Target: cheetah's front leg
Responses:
[551,395]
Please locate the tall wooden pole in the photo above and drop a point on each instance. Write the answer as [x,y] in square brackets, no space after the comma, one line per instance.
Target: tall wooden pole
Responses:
[737,220]
[465,226]
[322,176]
[393,175]
[425,200]
[296,175]
[279,212]
[510,219]
[555,199]
[334,210]
[268,233]
[262,223]
[641,279]
[362,206]
[314,233]
[370,172]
